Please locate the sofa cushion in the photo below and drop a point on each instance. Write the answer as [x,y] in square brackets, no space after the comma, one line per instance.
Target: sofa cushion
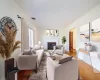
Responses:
[65,60]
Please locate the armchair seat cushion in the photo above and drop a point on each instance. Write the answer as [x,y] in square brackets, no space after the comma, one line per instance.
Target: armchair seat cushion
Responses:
[58,51]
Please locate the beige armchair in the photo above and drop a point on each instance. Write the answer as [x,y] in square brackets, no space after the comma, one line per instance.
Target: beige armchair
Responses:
[59,49]
[27,62]
[30,62]
[65,71]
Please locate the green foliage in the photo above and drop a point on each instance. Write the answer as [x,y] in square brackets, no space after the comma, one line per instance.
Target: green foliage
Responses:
[64,40]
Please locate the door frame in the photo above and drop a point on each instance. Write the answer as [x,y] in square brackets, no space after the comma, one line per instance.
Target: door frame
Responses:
[70,41]
[71,46]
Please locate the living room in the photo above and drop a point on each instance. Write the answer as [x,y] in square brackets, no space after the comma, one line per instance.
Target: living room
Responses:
[48,23]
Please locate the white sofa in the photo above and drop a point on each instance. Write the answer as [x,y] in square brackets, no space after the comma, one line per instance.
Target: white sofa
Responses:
[65,71]
[30,62]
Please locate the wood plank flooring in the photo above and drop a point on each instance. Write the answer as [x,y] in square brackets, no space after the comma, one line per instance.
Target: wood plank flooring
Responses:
[24,74]
[86,71]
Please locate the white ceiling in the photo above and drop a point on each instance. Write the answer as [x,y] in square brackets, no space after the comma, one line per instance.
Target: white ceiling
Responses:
[56,13]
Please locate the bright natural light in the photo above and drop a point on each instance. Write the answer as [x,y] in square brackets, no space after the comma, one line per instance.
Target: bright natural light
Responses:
[30,37]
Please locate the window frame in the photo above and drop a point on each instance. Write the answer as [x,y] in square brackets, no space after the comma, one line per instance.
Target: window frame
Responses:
[29,32]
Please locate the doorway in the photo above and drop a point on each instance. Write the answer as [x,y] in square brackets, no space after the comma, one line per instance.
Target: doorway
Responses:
[72,40]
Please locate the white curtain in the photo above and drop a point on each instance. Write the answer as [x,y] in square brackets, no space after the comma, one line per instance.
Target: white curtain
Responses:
[31,35]
[25,35]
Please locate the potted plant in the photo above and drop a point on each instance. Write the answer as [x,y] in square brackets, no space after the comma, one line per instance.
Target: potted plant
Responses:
[64,40]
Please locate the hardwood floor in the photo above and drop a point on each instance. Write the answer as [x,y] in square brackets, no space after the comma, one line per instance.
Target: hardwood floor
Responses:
[24,74]
[86,71]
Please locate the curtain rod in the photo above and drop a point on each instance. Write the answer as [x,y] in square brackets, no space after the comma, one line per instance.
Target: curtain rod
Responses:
[21,17]
[18,16]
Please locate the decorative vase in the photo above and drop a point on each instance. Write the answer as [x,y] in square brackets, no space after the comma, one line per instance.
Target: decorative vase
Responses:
[56,33]
[89,48]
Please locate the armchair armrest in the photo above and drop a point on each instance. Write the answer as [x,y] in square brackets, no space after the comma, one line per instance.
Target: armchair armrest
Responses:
[50,68]
[27,62]
[62,48]
[67,71]
[54,47]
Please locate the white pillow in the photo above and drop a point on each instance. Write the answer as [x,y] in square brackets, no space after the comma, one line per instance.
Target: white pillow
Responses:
[37,47]
[34,50]
[27,52]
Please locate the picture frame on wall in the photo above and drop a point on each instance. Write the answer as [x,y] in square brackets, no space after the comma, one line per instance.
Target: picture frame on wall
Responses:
[95,30]
[52,32]
[85,33]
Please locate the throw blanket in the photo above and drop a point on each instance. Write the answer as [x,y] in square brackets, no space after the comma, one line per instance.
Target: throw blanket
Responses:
[41,73]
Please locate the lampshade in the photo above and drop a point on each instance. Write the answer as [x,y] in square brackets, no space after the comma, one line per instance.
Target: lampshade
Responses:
[39,42]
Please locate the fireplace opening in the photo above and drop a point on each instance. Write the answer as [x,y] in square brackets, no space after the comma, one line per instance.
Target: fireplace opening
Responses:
[50,45]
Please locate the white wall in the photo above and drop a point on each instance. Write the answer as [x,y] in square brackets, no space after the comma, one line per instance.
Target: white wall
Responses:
[11,9]
[88,17]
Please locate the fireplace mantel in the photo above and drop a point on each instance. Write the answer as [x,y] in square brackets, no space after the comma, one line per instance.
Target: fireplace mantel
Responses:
[50,39]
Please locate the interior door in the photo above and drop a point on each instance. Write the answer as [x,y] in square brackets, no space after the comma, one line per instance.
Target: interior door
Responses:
[70,41]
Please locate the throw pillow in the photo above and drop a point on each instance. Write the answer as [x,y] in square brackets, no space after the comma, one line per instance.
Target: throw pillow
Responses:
[65,60]
[57,47]
[37,47]
[34,51]
[27,52]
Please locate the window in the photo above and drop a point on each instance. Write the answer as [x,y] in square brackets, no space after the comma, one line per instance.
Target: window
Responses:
[31,37]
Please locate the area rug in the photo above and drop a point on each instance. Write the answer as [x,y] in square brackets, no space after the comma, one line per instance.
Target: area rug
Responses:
[41,73]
